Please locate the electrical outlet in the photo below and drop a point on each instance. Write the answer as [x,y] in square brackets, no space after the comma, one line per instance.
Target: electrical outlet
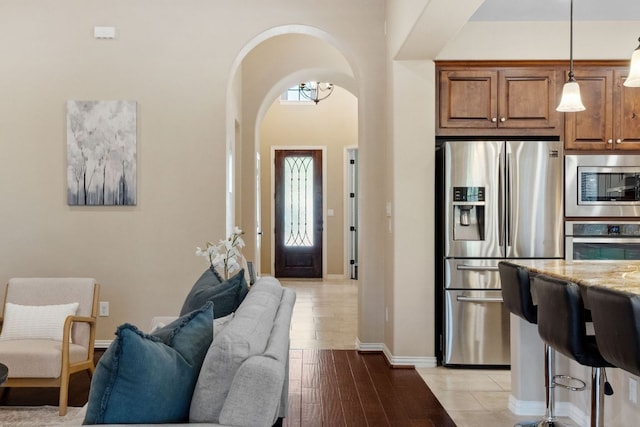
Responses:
[104,308]
[633,390]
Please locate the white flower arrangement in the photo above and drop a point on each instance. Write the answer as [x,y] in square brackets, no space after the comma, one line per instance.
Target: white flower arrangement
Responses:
[224,254]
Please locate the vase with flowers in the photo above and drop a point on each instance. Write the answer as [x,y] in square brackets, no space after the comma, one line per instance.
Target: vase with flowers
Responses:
[224,255]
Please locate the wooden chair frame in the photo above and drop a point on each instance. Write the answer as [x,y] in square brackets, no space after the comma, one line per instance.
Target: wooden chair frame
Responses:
[67,368]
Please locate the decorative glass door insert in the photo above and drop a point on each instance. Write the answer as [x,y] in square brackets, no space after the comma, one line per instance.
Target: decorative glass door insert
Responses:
[298,211]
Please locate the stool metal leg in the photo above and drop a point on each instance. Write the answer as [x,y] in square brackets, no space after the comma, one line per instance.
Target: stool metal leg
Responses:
[597,397]
[549,387]
[549,372]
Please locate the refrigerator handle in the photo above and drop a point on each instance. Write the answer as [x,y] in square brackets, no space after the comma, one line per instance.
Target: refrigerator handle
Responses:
[478,299]
[509,198]
[500,203]
[465,267]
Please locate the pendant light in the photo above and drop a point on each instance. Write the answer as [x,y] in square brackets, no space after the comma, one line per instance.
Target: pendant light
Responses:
[633,79]
[571,100]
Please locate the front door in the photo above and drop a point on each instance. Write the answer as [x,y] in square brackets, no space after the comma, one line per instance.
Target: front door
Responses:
[298,213]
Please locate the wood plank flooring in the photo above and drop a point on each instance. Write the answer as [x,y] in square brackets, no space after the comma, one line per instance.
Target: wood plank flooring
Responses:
[347,388]
[327,388]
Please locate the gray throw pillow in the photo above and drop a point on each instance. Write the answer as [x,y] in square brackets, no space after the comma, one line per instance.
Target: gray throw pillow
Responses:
[226,295]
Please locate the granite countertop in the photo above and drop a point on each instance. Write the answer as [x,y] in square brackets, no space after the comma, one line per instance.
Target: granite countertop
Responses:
[618,275]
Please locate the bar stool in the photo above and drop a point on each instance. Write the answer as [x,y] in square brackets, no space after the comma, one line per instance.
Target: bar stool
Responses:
[562,324]
[516,294]
[616,322]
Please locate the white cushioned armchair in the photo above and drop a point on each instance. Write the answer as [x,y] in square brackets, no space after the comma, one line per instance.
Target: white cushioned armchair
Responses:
[48,331]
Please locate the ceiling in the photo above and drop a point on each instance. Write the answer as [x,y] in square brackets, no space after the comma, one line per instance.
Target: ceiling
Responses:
[558,10]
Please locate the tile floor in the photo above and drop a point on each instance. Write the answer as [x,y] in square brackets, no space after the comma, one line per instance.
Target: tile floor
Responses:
[325,317]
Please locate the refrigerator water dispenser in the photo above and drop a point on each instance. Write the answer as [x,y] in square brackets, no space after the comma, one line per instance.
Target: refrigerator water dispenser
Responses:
[468,211]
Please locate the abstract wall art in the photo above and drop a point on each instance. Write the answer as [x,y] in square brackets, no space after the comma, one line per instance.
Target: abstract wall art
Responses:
[101,153]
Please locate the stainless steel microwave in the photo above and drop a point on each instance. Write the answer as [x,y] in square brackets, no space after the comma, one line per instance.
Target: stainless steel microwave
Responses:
[601,185]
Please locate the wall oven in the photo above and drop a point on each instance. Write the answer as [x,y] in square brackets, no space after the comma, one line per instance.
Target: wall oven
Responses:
[599,240]
[602,186]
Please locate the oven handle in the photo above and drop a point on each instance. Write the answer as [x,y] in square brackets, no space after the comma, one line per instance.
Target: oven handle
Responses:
[466,267]
[478,299]
[605,239]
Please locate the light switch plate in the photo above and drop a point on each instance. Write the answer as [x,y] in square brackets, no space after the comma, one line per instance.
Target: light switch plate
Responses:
[104,308]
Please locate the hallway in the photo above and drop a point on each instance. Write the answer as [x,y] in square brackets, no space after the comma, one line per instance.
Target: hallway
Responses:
[325,315]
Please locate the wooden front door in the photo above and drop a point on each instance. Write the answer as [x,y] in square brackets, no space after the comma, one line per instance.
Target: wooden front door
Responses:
[298,213]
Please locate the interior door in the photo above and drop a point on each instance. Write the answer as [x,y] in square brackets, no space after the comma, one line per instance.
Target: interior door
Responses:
[298,213]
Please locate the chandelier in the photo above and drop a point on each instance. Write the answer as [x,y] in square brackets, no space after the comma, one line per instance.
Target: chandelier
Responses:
[315,91]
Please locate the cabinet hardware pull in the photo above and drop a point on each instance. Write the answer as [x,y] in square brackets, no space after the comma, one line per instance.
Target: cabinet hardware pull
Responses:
[477,299]
[618,141]
[476,267]
[503,119]
[494,119]
[609,141]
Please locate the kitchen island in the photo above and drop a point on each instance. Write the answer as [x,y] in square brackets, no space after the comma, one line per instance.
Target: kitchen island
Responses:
[620,275]
[527,388]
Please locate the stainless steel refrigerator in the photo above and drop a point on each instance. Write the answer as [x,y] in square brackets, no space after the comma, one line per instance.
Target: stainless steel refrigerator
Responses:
[495,200]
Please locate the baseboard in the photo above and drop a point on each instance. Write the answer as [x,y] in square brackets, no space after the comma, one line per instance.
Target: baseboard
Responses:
[409,361]
[362,346]
[577,415]
[397,361]
[536,408]
[526,407]
[102,344]
[335,277]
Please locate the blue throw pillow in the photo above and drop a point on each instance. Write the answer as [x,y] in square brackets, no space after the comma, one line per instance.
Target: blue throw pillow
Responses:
[144,378]
[226,295]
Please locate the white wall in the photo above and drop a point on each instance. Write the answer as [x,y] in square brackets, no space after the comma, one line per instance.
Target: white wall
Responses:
[176,59]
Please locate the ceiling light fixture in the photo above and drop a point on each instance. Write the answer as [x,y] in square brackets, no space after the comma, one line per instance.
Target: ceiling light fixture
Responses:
[315,91]
[633,79]
[571,100]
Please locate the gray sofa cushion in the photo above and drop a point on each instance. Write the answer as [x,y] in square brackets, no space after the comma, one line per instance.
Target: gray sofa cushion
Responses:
[245,336]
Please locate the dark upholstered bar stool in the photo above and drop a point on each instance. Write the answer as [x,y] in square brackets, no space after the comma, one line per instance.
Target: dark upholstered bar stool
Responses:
[616,322]
[516,294]
[562,324]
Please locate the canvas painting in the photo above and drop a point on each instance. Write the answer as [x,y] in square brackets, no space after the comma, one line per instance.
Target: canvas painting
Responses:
[101,152]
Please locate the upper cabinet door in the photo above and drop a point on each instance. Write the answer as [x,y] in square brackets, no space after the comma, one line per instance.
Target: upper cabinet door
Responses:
[527,98]
[611,120]
[591,129]
[626,113]
[486,100]
[468,99]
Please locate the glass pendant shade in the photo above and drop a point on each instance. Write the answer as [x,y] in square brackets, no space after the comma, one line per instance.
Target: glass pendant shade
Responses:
[633,80]
[571,100]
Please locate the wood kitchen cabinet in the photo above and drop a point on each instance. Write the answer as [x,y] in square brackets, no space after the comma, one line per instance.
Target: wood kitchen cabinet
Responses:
[611,120]
[485,100]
